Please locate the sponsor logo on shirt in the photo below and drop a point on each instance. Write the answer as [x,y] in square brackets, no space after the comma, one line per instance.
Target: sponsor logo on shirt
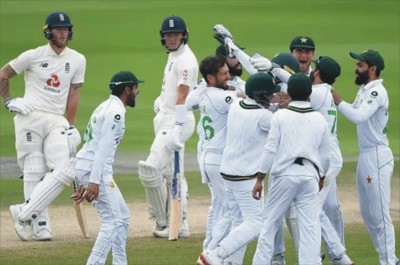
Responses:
[53,83]
[44,65]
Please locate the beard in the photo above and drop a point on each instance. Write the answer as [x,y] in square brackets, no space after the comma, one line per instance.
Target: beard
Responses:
[235,70]
[361,78]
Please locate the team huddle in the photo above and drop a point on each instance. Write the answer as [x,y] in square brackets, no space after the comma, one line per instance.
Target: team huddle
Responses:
[281,123]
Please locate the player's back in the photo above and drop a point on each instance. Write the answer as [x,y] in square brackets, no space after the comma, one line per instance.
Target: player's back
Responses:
[247,131]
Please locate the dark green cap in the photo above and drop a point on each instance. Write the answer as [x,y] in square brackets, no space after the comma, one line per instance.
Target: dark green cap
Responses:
[302,42]
[221,50]
[260,83]
[123,78]
[371,57]
[287,61]
[299,86]
[328,67]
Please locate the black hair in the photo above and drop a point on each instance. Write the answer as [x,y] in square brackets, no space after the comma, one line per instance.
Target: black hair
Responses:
[118,90]
[211,65]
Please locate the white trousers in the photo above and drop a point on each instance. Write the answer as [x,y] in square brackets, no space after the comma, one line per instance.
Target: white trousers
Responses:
[241,204]
[374,173]
[303,191]
[115,216]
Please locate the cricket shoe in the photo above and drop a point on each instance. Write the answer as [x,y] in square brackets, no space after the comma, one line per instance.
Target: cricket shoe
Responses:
[23,229]
[210,258]
[41,231]
[278,259]
[344,260]
[164,233]
[221,33]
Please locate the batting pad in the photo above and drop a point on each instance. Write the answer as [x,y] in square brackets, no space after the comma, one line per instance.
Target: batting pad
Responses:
[42,196]
[156,192]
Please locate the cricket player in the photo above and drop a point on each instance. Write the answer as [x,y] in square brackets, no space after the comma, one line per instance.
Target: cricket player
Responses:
[296,156]
[303,47]
[45,138]
[323,77]
[192,103]
[214,103]
[173,125]
[369,112]
[248,124]
[94,169]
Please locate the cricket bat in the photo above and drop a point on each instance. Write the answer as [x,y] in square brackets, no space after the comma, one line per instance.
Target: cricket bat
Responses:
[79,214]
[175,214]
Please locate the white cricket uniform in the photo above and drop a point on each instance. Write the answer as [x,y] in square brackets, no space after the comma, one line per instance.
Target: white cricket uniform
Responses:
[296,154]
[181,69]
[331,216]
[48,78]
[40,138]
[369,112]
[214,104]
[103,134]
[247,130]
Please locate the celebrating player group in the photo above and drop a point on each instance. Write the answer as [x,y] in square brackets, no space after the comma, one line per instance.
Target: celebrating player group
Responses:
[268,148]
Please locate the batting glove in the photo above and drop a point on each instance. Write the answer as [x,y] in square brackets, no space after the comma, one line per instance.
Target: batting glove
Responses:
[20,105]
[74,139]
[174,138]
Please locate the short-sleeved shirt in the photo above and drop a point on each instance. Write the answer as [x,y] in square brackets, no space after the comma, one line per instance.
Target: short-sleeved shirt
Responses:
[181,69]
[48,76]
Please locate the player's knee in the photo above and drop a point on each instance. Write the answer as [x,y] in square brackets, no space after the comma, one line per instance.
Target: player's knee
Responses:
[150,176]
[65,173]
[34,167]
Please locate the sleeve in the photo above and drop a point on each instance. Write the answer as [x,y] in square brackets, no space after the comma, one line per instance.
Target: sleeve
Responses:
[79,76]
[367,108]
[324,149]
[271,147]
[265,121]
[22,62]
[282,74]
[192,100]
[228,100]
[187,72]
[244,59]
[109,138]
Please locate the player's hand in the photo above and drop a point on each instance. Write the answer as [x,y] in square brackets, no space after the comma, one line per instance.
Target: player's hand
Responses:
[74,139]
[260,63]
[258,187]
[337,98]
[174,138]
[20,105]
[79,195]
[92,192]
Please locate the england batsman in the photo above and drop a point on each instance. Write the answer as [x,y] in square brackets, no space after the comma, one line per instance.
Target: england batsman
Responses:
[173,125]
[45,138]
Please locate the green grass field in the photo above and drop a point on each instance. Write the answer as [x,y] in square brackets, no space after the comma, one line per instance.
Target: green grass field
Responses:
[150,251]
[115,35]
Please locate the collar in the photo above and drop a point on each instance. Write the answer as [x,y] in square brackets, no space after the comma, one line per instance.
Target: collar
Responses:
[372,84]
[300,104]
[117,99]
[53,53]
[179,51]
